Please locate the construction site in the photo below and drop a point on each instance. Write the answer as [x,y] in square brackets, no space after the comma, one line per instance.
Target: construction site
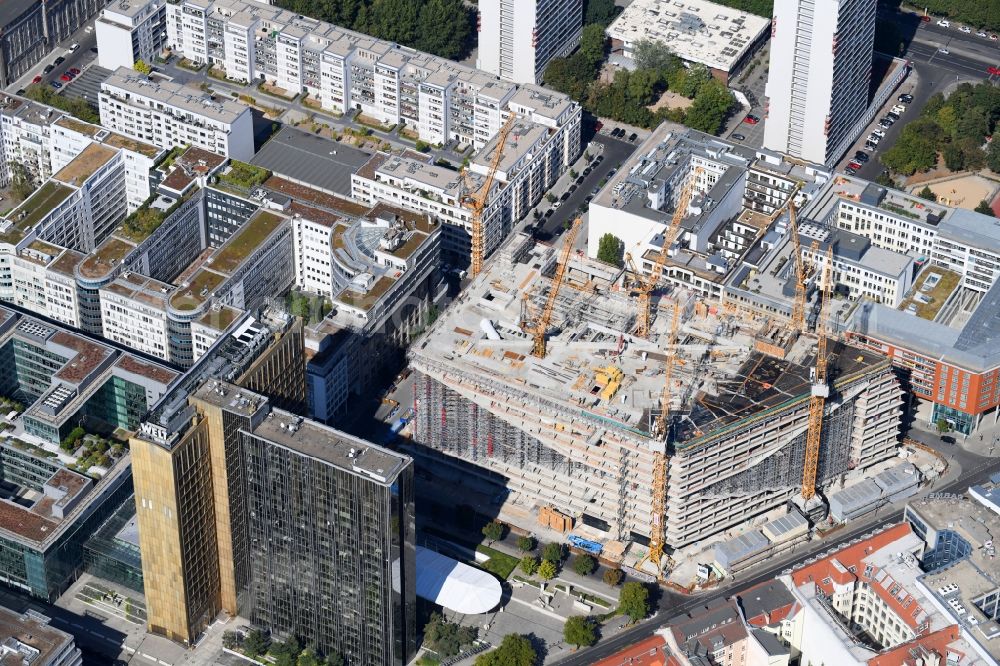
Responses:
[637,416]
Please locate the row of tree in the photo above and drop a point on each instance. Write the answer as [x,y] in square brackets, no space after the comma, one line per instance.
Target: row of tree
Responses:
[977,13]
[628,96]
[955,127]
[441,27]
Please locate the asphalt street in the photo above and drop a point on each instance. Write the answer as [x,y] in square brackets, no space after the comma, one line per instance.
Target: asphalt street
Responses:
[672,604]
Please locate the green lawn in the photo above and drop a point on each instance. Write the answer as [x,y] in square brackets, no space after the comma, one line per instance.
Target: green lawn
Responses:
[500,564]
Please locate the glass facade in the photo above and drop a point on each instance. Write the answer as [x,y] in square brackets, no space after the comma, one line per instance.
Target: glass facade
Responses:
[333,554]
[958,421]
[112,552]
[34,367]
[119,403]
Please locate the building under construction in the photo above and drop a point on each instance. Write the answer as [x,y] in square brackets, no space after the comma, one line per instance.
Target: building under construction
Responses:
[570,434]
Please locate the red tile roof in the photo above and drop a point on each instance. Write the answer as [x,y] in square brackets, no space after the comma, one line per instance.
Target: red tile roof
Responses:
[908,653]
[650,652]
[836,568]
[89,355]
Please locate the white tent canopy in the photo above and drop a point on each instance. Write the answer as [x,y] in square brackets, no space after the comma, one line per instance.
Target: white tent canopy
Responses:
[454,585]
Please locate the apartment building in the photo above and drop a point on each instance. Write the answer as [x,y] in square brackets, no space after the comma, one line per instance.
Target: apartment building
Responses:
[439,100]
[819,75]
[130,30]
[383,287]
[535,154]
[221,544]
[169,114]
[30,639]
[518,38]
[133,313]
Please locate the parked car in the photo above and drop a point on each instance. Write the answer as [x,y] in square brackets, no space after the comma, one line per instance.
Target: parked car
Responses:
[73,47]
[966,29]
[870,146]
[944,23]
[874,138]
[75,71]
[861,156]
[993,37]
[850,171]
[944,51]
[981,34]
[48,68]
[633,136]
[905,98]
[739,137]
[854,164]
[879,133]
[58,61]
[898,108]
[66,77]
[37,79]
[751,120]
[947,439]
[55,84]
[19,92]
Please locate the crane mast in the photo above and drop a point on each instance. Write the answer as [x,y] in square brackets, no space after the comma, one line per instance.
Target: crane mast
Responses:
[820,390]
[476,199]
[657,528]
[799,304]
[542,325]
[670,235]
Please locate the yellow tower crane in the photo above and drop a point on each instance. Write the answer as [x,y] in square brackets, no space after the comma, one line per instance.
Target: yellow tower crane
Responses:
[541,325]
[799,304]
[657,527]
[647,286]
[475,198]
[820,389]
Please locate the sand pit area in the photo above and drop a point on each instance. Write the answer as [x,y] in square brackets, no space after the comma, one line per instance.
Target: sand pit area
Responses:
[965,191]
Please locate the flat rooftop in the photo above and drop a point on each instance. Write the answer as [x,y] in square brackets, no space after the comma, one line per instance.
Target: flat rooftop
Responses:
[198,290]
[245,242]
[191,164]
[695,30]
[314,197]
[192,100]
[105,258]
[480,338]
[85,165]
[145,290]
[21,220]
[312,159]
[32,631]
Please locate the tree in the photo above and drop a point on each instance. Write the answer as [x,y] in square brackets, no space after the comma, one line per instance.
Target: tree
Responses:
[942,425]
[141,67]
[334,659]
[954,160]
[985,209]
[634,601]
[579,631]
[602,12]
[993,156]
[447,638]
[444,28]
[525,543]
[927,193]
[710,108]
[649,54]
[229,640]
[529,564]
[308,658]
[592,42]
[514,650]
[287,653]
[256,643]
[21,182]
[611,250]
[613,576]
[584,565]
[547,570]
[553,552]
[494,530]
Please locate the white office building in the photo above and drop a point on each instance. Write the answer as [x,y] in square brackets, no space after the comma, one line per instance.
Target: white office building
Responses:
[130,30]
[518,38]
[169,114]
[817,86]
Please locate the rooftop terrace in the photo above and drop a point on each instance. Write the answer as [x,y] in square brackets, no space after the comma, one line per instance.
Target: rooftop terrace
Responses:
[105,258]
[23,218]
[85,165]
[246,241]
[202,286]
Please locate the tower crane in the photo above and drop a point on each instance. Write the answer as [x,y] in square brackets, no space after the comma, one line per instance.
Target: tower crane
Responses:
[476,197]
[820,390]
[799,304]
[647,286]
[657,529]
[542,324]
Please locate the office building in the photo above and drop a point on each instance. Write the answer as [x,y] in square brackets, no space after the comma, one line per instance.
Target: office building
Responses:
[236,481]
[698,32]
[28,639]
[439,101]
[31,29]
[131,30]
[819,76]
[169,114]
[518,38]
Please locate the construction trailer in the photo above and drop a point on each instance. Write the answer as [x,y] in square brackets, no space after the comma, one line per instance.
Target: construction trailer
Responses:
[573,431]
